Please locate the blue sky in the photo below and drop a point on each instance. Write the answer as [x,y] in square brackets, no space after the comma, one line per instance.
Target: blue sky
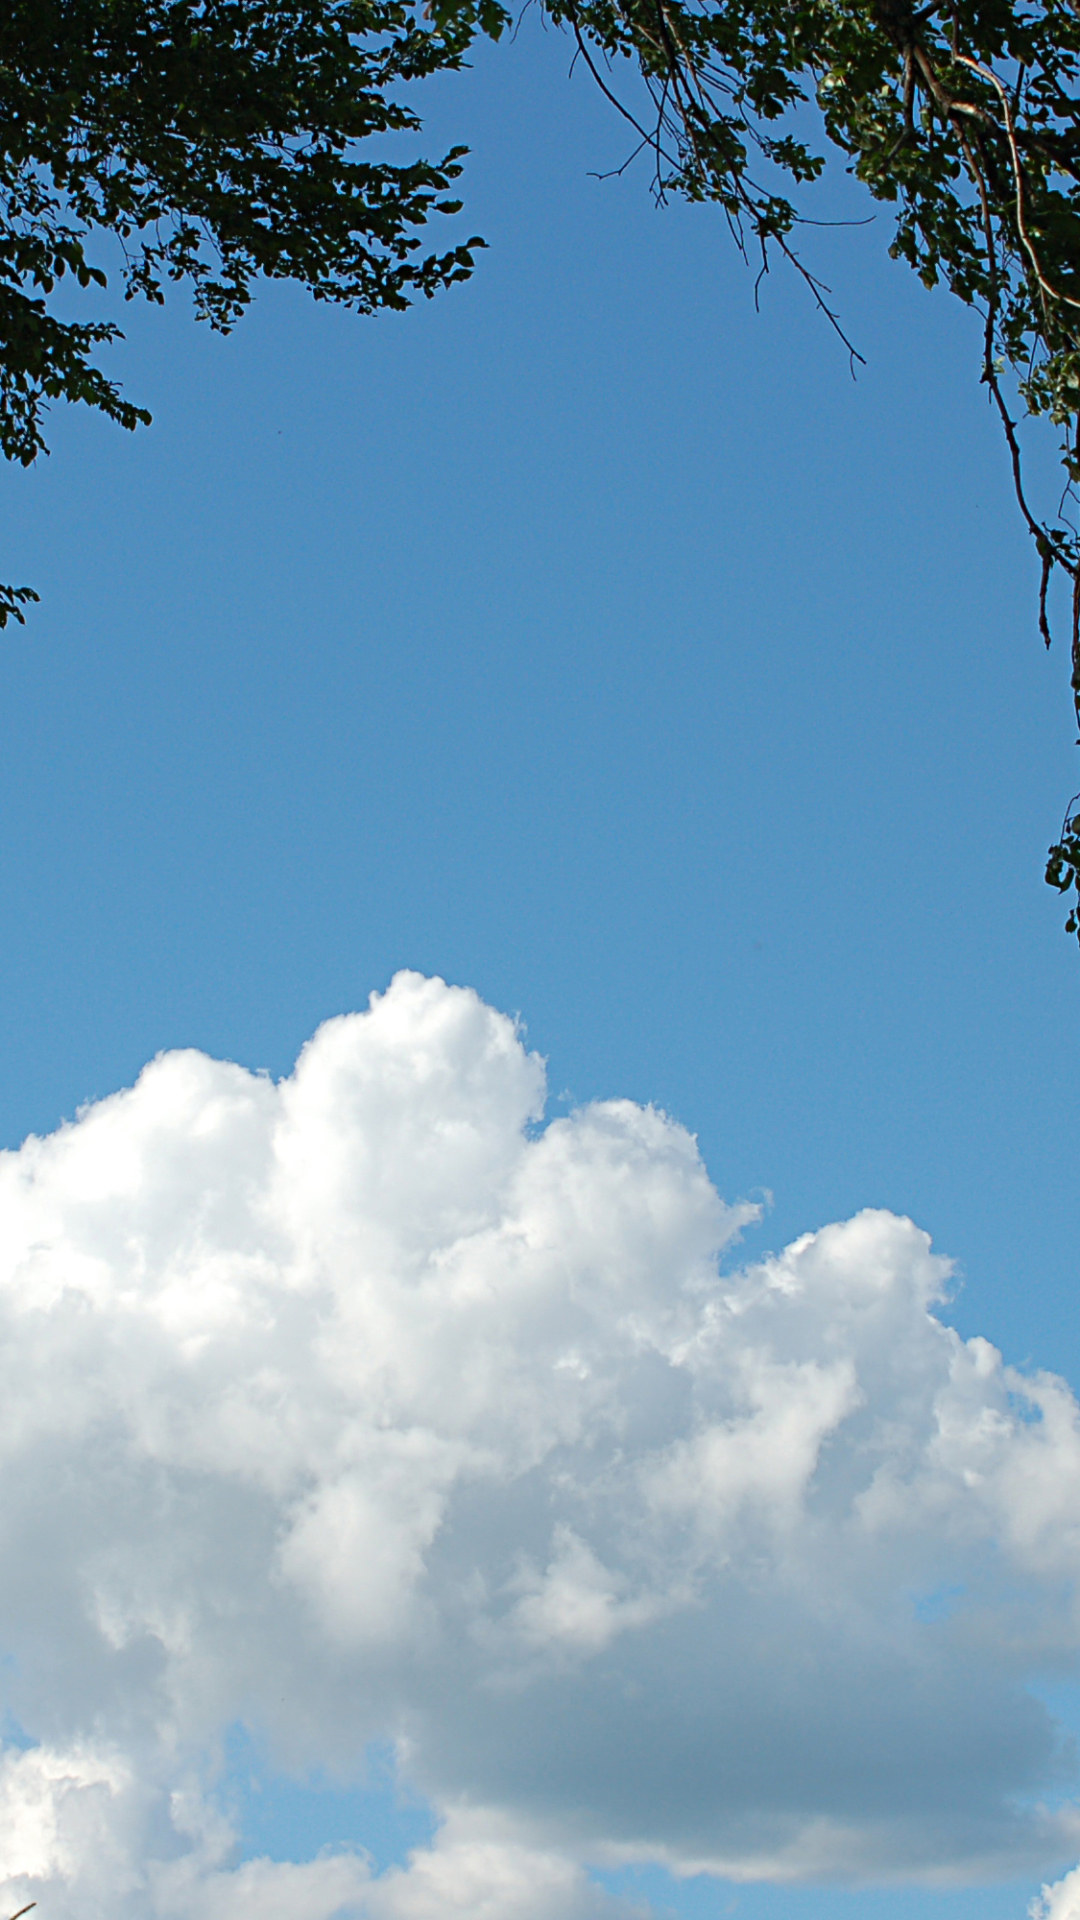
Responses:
[593,640]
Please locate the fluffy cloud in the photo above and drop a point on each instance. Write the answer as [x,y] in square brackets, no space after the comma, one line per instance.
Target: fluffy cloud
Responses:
[1059,1902]
[362,1407]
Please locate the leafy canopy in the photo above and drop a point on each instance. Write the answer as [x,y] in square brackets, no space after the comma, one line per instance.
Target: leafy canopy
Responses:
[214,140]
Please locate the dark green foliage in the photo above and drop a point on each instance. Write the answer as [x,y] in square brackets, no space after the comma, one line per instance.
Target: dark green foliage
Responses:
[215,140]
[1063,864]
[12,602]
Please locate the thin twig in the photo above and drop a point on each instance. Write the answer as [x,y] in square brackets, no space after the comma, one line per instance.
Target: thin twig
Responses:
[1018,178]
[1049,550]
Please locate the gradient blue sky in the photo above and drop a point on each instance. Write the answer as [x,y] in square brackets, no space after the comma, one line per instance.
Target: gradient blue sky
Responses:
[591,639]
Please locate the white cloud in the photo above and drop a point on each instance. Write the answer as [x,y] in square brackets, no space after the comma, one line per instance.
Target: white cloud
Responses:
[360,1408]
[1060,1901]
[480,1869]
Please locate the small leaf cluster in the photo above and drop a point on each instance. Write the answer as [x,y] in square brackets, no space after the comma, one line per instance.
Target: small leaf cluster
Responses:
[1063,865]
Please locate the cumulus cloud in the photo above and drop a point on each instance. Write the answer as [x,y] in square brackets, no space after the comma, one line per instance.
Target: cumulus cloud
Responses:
[1060,1901]
[365,1407]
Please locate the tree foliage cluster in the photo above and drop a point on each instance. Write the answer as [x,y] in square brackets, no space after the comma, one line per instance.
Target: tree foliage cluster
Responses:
[206,141]
[214,141]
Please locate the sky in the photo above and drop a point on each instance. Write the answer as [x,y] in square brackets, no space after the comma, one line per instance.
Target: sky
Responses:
[441,1476]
